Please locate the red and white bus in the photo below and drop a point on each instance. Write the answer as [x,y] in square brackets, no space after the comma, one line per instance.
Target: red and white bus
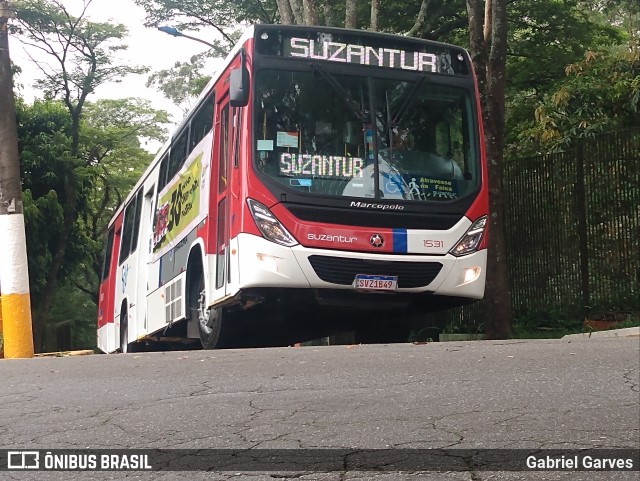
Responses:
[322,171]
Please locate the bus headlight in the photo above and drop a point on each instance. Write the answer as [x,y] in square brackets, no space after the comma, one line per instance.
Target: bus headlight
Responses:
[268,225]
[470,241]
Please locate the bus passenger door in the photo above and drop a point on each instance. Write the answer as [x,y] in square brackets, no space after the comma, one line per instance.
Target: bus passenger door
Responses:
[220,191]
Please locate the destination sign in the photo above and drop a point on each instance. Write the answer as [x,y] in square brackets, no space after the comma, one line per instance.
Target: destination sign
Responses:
[363,55]
[352,47]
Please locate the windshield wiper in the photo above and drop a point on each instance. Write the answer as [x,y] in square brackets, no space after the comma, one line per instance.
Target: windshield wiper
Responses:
[342,93]
[407,101]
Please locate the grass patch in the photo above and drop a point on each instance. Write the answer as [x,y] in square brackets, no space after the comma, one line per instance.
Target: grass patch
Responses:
[632,321]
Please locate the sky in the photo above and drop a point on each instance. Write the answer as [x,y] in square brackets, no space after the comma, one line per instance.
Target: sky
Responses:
[147,47]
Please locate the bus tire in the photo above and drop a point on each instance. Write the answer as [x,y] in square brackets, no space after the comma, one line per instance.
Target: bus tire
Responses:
[124,331]
[210,328]
[211,331]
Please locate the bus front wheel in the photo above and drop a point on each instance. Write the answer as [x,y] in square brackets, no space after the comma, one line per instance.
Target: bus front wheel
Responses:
[211,329]
[211,322]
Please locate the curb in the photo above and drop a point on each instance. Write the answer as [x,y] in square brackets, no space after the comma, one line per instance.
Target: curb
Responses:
[628,332]
[86,352]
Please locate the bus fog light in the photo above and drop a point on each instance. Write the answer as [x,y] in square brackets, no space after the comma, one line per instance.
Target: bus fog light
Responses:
[267,262]
[471,274]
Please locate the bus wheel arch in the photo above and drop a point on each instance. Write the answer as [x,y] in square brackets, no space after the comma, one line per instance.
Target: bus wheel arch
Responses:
[203,322]
[194,287]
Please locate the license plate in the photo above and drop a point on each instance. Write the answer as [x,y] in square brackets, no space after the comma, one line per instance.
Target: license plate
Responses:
[375,283]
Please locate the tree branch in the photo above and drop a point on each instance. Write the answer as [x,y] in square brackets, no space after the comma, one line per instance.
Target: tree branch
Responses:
[420,20]
[84,289]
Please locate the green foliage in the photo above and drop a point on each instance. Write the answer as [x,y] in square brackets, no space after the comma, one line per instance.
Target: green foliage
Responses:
[44,144]
[623,14]
[632,320]
[110,161]
[547,35]
[115,127]
[601,93]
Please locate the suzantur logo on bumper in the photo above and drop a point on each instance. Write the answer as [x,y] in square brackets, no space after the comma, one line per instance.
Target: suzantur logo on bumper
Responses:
[332,238]
[367,205]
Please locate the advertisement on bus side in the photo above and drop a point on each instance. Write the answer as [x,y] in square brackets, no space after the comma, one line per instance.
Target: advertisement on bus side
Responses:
[178,206]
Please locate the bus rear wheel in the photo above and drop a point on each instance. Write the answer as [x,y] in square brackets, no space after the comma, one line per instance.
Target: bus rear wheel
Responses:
[124,333]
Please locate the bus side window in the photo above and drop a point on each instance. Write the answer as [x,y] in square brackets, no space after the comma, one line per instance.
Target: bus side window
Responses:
[107,255]
[202,122]
[224,141]
[130,227]
[164,167]
[178,153]
[127,230]
[136,222]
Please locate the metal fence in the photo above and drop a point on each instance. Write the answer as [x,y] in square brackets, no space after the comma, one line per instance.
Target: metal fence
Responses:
[573,232]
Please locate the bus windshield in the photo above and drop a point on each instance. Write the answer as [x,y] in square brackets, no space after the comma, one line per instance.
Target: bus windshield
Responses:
[328,134]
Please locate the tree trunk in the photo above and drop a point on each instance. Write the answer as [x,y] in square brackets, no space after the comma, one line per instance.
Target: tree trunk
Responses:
[478,46]
[329,13]
[488,22]
[488,45]
[351,15]
[373,25]
[499,300]
[310,14]
[284,9]
[296,9]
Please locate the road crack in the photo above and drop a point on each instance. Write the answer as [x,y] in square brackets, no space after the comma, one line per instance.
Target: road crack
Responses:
[633,383]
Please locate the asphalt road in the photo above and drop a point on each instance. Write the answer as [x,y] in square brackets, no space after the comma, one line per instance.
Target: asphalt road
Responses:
[550,394]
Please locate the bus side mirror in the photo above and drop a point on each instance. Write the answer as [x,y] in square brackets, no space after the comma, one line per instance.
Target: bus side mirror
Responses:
[239,87]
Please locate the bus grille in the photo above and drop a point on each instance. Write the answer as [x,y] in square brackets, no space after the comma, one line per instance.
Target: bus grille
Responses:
[341,270]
